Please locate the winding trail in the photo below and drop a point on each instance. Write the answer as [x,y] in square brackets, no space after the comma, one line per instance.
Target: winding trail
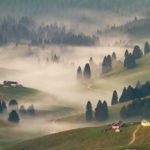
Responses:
[134,135]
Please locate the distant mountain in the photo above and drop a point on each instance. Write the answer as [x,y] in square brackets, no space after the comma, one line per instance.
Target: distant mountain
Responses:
[38,7]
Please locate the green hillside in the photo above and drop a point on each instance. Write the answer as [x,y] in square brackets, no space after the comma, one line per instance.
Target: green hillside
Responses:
[17,92]
[95,138]
[88,138]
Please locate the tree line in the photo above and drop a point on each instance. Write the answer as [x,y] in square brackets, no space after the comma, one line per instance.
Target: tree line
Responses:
[26,29]
[101,112]
[132,93]
[140,107]
[15,113]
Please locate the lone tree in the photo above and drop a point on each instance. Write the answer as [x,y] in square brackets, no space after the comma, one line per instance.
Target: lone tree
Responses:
[13,117]
[137,52]
[126,53]
[146,48]
[114,57]
[105,111]
[87,71]
[99,111]
[22,110]
[31,110]
[79,73]
[114,98]
[1,107]
[89,111]
[4,106]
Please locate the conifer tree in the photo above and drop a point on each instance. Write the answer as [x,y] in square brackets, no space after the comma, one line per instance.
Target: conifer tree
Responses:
[89,111]
[114,98]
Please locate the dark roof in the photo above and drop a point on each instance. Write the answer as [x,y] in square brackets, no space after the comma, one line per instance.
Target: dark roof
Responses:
[13,102]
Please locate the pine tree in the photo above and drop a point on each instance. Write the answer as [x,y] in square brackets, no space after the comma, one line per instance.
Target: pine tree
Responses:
[31,110]
[22,110]
[146,48]
[99,111]
[79,73]
[1,107]
[114,98]
[114,57]
[87,71]
[4,106]
[126,53]
[107,64]
[129,62]
[137,52]
[89,111]
[13,117]
[105,111]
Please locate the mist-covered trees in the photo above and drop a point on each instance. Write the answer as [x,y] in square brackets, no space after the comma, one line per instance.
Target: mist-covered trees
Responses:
[87,71]
[22,110]
[129,61]
[101,112]
[136,108]
[146,48]
[79,73]
[132,93]
[114,99]
[89,111]
[107,64]
[31,110]
[3,106]
[26,29]
[114,56]
[137,52]
[14,117]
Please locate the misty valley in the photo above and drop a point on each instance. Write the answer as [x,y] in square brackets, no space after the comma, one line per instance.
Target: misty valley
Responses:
[74,75]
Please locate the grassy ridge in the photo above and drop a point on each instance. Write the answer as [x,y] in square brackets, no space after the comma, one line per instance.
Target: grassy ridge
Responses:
[79,139]
[141,72]
[17,92]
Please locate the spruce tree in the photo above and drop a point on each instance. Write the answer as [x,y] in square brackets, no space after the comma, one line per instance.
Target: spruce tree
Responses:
[4,106]
[146,48]
[105,111]
[137,52]
[79,73]
[89,111]
[114,98]
[13,117]
[99,111]
[1,107]
[87,71]
[114,57]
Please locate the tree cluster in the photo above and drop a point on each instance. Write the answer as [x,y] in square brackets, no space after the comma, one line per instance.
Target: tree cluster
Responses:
[15,31]
[132,93]
[86,74]
[107,64]
[136,108]
[14,113]
[101,112]
[129,61]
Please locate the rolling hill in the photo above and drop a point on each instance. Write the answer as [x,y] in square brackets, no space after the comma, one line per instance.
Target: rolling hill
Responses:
[95,138]
[131,76]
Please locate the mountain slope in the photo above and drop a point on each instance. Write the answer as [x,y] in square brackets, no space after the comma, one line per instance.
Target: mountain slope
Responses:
[80,139]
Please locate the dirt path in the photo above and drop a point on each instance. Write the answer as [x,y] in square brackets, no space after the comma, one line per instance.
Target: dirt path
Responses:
[134,135]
